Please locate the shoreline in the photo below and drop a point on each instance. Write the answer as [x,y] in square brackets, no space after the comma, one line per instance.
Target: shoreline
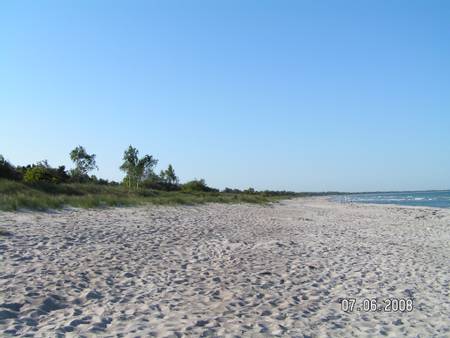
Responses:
[225,269]
[386,204]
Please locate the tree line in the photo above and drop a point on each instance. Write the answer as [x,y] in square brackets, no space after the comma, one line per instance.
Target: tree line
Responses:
[139,172]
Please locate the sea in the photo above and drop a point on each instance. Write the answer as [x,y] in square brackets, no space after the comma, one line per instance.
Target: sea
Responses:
[434,198]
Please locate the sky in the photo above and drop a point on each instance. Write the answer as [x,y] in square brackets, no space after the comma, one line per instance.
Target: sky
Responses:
[285,95]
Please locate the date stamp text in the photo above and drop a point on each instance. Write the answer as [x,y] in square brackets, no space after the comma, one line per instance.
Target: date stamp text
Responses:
[377,305]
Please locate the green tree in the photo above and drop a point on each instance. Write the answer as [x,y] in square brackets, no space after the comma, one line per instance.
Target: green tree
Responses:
[162,176]
[84,163]
[136,168]
[130,159]
[144,168]
[170,176]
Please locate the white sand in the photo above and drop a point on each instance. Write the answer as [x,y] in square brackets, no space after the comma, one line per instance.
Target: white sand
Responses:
[225,270]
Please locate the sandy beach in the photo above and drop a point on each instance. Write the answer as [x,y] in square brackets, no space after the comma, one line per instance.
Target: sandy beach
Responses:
[225,271]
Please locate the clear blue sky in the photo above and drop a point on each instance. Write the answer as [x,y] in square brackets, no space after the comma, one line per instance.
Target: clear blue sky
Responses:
[298,95]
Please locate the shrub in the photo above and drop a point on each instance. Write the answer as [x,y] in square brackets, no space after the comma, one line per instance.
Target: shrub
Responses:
[231,191]
[159,182]
[7,170]
[250,191]
[197,185]
[42,172]
[94,179]
[158,185]
[36,174]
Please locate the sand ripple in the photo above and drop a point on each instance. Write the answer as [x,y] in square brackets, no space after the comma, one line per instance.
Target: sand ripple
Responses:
[224,270]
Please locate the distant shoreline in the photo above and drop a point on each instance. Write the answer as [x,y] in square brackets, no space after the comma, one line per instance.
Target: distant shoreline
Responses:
[429,198]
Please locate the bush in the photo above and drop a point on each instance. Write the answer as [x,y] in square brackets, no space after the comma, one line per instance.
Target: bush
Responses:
[94,179]
[36,174]
[158,182]
[76,177]
[160,185]
[231,191]
[42,172]
[8,171]
[197,185]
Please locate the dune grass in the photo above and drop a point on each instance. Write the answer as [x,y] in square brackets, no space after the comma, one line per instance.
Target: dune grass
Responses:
[16,195]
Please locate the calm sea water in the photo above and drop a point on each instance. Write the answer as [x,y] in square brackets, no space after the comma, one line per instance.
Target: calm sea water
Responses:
[435,199]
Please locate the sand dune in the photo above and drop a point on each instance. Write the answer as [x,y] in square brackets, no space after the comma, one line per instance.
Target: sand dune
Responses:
[225,270]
